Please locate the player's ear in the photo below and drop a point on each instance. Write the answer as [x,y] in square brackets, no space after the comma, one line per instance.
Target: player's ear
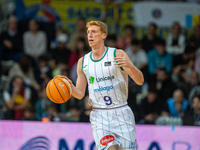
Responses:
[104,35]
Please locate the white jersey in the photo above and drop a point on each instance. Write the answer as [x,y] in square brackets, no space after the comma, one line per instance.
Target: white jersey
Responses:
[107,84]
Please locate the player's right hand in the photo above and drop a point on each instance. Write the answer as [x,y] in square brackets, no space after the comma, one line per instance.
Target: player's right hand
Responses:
[61,76]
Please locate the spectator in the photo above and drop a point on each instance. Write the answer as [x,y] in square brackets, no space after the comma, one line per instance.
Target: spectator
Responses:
[73,114]
[65,72]
[54,42]
[175,40]
[59,67]
[85,113]
[159,58]
[192,81]
[61,53]
[125,41]
[42,104]
[111,41]
[194,40]
[24,69]
[183,64]
[53,64]
[81,28]
[52,113]
[11,41]
[81,50]
[133,103]
[73,74]
[42,73]
[137,55]
[176,106]
[16,98]
[195,91]
[164,85]
[29,114]
[197,61]
[1,71]
[35,41]
[72,102]
[193,116]
[149,40]
[150,107]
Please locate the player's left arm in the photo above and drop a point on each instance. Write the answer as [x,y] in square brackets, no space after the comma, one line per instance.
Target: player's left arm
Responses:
[122,60]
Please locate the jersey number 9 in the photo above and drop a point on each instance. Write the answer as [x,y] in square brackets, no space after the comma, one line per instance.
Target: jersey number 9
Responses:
[107,100]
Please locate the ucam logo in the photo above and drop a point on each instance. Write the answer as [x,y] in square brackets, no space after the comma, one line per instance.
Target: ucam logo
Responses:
[101,88]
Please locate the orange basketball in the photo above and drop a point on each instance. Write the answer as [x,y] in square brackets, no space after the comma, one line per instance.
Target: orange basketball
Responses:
[59,90]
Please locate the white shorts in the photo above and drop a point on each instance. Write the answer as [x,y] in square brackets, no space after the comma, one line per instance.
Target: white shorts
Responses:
[114,127]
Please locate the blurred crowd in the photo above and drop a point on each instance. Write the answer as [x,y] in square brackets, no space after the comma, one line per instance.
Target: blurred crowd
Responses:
[122,1]
[171,67]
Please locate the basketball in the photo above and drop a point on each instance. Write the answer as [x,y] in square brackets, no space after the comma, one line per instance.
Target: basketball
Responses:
[59,90]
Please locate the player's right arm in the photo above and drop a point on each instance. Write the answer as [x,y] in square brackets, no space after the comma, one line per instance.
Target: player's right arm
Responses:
[78,91]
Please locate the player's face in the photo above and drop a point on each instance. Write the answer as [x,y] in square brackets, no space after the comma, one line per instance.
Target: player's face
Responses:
[95,36]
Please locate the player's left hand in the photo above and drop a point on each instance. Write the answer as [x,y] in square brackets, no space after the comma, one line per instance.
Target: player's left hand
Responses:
[122,62]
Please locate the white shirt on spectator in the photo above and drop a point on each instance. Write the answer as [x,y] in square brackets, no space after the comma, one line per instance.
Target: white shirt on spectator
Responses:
[35,45]
[175,49]
[138,58]
[15,70]
[7,95]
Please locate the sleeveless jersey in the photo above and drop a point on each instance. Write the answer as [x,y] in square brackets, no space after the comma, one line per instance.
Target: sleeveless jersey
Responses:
[107,84]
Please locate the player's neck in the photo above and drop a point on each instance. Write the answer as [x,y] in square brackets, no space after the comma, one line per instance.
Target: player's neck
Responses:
[97,53]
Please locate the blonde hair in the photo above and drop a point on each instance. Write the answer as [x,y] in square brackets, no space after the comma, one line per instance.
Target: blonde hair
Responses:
[103,26]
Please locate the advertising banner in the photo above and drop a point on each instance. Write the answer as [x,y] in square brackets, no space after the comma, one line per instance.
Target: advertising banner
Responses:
[68,12]
[165,13]
[22,135]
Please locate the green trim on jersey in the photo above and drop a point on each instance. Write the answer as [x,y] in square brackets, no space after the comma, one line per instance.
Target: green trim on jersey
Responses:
[99,59]
[115,56]
[114,52]
[83,62]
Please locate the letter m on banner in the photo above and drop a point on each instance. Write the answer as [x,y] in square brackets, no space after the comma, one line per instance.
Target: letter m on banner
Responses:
[63,145]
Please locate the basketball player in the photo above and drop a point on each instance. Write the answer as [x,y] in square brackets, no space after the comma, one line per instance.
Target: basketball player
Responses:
[106,71]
